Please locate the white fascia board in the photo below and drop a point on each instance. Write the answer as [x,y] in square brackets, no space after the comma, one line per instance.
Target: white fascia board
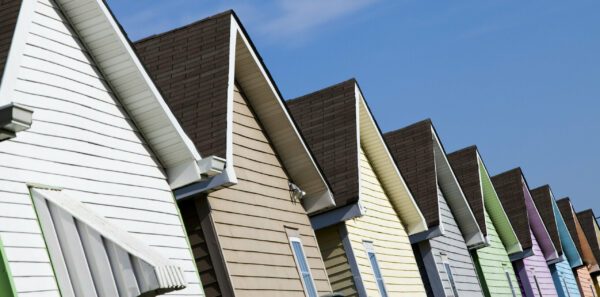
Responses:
[179,173]
[455,197]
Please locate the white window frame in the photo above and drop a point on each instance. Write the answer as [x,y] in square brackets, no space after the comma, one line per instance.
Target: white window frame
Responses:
[296,259]
[448,270]
[510,283]
[564,282]
[537,284]
[370,249]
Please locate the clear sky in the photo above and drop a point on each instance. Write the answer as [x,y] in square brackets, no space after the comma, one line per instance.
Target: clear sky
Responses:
[520,79]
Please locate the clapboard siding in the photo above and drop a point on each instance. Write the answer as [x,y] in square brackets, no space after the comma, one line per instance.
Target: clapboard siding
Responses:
[250,217]
[82,141]
[537,263]
[382,226]
[494,261]
[453,245]
[584,281]
[564,280]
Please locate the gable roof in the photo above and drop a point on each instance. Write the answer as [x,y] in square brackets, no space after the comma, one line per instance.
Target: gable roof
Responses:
[513,191]
[510,191]
[336,121]
[196,67]
[480,193]
[421,158]
[588,222]
[9,11]
[466,168]
[567,242]
[581,242]
[543,201]
[109,47]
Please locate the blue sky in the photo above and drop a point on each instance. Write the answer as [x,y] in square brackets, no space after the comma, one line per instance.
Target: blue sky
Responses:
[520,79]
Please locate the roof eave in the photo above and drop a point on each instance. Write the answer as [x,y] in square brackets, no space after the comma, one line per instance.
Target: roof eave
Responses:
[254,78]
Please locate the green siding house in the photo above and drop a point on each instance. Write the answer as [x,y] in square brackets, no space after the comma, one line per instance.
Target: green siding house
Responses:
[492,262]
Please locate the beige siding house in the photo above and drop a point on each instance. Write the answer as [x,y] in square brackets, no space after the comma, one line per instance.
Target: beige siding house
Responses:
[248,226]
[364,240]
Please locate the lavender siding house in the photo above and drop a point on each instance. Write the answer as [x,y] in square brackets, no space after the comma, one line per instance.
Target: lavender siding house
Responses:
[531,266]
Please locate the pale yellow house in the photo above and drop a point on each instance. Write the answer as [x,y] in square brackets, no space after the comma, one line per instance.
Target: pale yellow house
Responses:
[364,239]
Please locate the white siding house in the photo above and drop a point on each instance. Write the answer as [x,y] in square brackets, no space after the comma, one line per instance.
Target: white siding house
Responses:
[97,166]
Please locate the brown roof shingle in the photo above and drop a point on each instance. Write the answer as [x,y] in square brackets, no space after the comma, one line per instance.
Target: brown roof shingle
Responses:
[466,169]
[542,198]
[587,220]
[412,150]
[190,65]
[509,187]
[9,12]
[327,119]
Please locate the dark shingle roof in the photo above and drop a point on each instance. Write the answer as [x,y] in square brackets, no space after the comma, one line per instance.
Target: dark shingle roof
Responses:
[327,119]
[543,202]
[412,150]
[509,188]
[9,12]
[190,65]
[587,220]
[466,169]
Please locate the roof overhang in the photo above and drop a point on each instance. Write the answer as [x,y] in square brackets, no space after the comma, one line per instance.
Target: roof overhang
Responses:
[116,60]
[509,238]
[456,199]
[387,172]
[248,71]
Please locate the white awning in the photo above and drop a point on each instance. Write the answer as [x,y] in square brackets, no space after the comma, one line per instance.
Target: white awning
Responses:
[93,257]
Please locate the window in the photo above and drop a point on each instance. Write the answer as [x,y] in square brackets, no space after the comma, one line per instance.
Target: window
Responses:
[562,277]
[449,273]
[537,284]
[375,266]
[510,283]
[301,263]
[93,257]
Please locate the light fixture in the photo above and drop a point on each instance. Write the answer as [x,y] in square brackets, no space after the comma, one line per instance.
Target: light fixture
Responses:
[295,192]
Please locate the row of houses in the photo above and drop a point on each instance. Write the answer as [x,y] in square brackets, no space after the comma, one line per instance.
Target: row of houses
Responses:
[173,166]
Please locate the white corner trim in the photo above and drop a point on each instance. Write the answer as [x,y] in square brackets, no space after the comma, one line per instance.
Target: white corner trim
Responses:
[234,30]
[15,52]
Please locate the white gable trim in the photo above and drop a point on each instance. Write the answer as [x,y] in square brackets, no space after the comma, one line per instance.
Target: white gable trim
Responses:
[286,139]
[387,172]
